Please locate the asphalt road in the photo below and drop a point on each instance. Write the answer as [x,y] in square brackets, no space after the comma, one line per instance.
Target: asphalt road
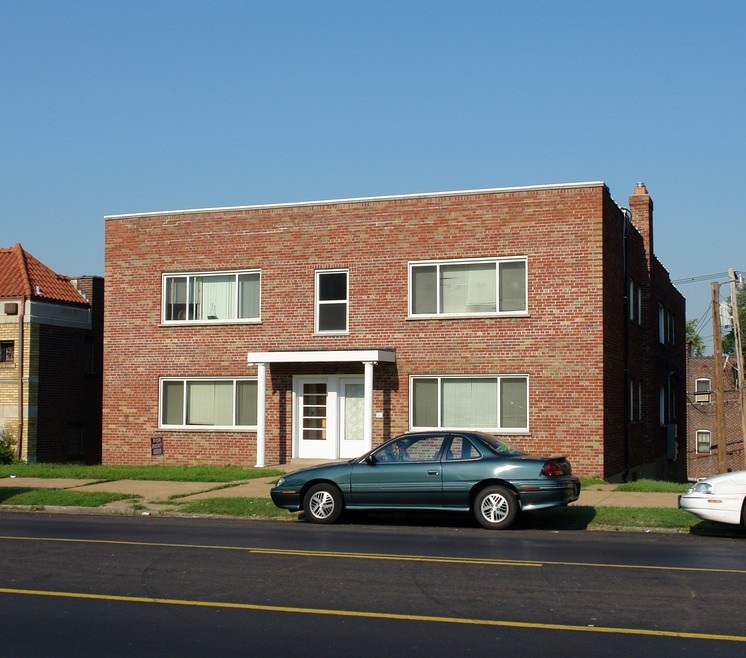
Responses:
[154,586]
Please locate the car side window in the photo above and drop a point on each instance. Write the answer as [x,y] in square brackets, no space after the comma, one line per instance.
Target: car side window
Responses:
[420,449]
[461,449]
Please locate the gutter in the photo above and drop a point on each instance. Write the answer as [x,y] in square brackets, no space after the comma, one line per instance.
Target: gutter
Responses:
[21,317]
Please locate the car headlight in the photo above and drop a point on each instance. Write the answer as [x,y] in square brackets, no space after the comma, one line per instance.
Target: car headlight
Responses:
[280,482]
[702,488]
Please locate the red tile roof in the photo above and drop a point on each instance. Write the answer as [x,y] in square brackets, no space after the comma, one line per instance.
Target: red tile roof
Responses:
[22,275]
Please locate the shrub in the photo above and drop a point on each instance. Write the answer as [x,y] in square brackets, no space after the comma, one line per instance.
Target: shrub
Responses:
[7,446]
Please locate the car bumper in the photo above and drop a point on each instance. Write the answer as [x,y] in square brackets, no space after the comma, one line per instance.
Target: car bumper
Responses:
[286,498]
[554,494]
[711,507]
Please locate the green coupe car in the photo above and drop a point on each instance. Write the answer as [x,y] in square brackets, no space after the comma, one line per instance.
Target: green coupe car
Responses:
[448,471]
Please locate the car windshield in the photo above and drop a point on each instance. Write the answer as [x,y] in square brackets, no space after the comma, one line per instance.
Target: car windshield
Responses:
[498,446]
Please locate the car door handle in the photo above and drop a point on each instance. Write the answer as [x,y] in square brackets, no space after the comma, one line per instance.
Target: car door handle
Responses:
[433,472]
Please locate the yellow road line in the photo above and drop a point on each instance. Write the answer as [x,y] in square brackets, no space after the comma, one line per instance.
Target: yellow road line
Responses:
[381,556]
[378,615]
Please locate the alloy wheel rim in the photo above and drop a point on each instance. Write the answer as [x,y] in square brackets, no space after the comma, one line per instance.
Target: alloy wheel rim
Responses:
[322,504]
[494,508]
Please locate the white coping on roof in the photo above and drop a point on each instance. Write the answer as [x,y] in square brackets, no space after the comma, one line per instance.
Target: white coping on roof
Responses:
[322,356]
[425,195]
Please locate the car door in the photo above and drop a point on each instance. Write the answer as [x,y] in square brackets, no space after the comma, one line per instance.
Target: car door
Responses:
[402,473]
[462,468]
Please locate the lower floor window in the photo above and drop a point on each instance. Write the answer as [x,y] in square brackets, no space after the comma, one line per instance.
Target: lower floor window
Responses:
[489,403]
[208,402]
[703,442]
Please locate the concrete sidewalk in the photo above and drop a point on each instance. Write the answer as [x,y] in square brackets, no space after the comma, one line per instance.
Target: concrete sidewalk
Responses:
[156,494]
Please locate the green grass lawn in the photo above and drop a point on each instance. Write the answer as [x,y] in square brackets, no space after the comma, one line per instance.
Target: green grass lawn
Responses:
[59,497]
[156,472]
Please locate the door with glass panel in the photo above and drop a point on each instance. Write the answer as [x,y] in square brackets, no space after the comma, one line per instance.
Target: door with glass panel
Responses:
[312,420]
[351,425]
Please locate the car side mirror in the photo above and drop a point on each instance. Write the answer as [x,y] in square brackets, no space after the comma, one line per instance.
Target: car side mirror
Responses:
[370,460]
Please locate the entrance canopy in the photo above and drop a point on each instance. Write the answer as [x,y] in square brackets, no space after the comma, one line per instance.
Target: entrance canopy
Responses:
[368,358]
[323,356]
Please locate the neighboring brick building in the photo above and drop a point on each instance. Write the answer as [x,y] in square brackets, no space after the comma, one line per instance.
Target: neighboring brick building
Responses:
[51,370]
[259,334]
[703,442]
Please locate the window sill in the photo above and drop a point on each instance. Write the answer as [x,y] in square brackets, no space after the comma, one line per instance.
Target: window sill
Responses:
[470,316]
[210,323]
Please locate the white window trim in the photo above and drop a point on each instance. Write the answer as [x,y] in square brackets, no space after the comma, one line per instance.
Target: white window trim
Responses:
[702,396]
[169,275]
[696,442]
[202,428]
[317,303]
[456,261]
[501,430]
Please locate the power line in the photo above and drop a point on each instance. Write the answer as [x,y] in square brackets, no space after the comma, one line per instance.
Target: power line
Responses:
[701,277]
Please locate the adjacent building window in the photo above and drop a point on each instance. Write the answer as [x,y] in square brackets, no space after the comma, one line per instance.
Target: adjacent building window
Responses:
[7,351]
[490,403]
[332,301]
[635,402]
[702,390]
[635,302]
[208,403]
[211,297]
[704,442]
[473,287]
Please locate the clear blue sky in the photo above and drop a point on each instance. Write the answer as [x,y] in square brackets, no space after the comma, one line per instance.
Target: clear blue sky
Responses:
[111,107]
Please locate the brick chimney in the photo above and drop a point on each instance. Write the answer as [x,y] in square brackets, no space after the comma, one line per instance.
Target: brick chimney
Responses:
[641,207]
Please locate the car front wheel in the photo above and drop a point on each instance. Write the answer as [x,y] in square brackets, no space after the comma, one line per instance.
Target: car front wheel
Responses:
[322,503]
[495,508]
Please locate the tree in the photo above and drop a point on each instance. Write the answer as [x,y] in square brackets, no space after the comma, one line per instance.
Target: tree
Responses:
[695,342]
[729,340]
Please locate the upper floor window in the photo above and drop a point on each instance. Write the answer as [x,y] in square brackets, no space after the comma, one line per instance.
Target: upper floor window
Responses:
[211,297]
[487,403]
[635,302]
[702,390]
[208,403]
[471,287]
[6,351]
[332,301]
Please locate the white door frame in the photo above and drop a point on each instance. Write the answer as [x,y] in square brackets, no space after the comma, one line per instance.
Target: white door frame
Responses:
[331,447]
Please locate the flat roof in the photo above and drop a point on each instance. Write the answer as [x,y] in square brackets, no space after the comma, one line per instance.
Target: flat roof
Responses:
[394,197]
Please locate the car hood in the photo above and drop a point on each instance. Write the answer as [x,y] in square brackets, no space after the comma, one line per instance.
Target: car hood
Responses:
[318,468]
[734,481]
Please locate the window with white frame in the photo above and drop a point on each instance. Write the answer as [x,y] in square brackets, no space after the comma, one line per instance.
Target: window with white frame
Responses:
[468,287]
[661,324]
[704,442]
[212,297]
[702,390]
[332,301]
[208,403]
[490,403]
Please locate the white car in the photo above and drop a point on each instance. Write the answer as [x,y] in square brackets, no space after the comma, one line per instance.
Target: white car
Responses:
[718,498]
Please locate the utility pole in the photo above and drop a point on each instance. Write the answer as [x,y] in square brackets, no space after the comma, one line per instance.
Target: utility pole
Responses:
[739,357]
[717,379]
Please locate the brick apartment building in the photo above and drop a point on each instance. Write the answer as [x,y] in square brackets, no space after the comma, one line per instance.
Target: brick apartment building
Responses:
[51,338]
[703,443]
[260,334]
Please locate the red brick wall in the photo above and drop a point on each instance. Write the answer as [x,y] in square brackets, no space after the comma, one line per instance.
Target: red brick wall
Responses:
[701,416]
[567,345]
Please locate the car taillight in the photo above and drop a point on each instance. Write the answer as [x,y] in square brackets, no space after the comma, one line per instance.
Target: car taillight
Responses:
[552,468]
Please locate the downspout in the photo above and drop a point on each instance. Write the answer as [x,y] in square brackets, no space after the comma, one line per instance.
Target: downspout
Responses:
[21,316]
[625,350]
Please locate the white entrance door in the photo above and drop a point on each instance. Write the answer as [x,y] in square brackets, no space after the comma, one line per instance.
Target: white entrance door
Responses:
[328,419]
[351,418]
